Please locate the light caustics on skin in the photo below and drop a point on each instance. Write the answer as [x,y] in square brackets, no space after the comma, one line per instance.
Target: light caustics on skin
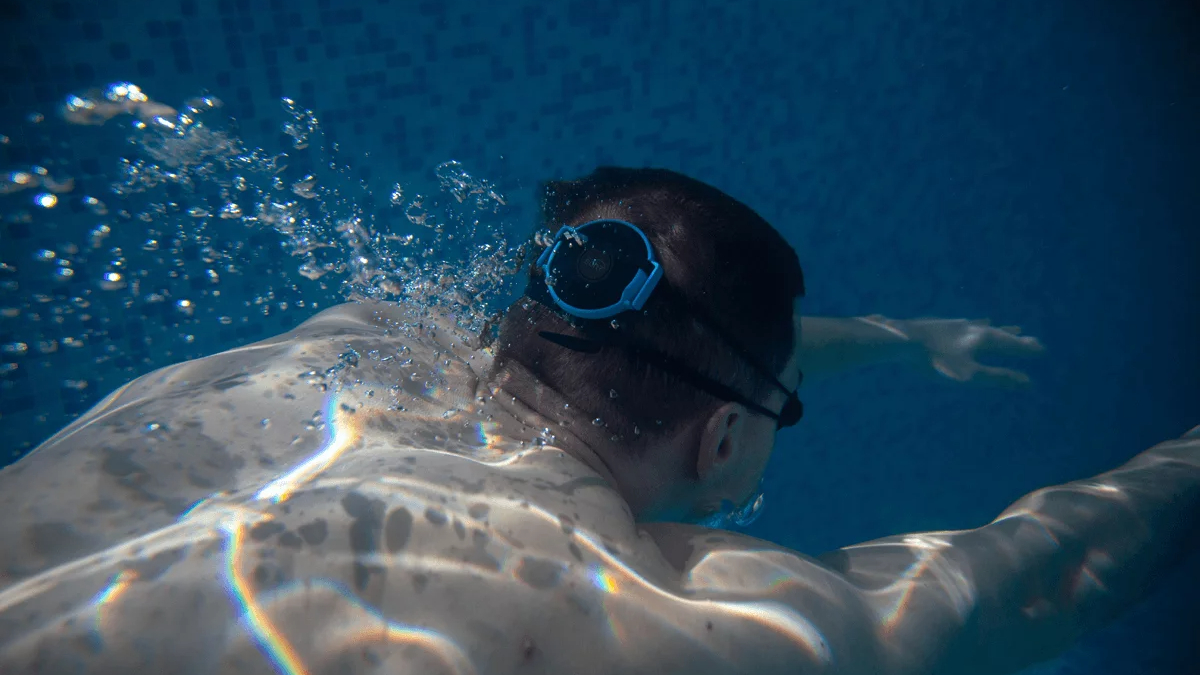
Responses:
[614,576]
[959,590]
[375,627]
[342,431]
[274,645]
[929,561]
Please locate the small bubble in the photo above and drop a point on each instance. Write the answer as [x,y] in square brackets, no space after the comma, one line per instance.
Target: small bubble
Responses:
[16,348]
[265,423]
[45,255]
[598,422]
[45,200]
[615,324]
[95,206]
[151,427]
[612,393]
[112,281]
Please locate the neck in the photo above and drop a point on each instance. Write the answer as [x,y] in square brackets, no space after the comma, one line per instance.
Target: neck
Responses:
[644,481]
[522,397]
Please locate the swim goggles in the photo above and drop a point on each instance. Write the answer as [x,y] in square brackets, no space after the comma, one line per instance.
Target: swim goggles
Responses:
[605,267]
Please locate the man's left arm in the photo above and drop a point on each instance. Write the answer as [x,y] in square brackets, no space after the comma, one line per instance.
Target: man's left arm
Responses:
[949,347]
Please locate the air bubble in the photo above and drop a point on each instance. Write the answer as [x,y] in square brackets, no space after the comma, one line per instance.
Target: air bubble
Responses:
[15,348]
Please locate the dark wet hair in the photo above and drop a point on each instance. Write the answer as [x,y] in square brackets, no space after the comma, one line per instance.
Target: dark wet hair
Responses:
[728,277]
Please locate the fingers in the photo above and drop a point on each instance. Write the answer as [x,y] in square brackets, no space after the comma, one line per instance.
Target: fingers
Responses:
[961,370]
[1004,377]
[1007,340]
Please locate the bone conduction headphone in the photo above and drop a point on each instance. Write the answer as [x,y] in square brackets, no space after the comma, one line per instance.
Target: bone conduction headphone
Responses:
[606,267]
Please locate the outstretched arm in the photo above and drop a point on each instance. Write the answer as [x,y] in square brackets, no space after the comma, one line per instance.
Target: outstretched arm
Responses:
[946,346]
[1059,562]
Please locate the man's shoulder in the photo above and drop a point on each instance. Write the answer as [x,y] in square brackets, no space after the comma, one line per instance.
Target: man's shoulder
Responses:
[154,447]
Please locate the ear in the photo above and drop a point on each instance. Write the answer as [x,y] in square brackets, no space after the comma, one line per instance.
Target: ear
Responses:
[720,440]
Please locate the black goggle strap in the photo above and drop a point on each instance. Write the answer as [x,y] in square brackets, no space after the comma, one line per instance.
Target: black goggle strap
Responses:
[677,368]
[793,409]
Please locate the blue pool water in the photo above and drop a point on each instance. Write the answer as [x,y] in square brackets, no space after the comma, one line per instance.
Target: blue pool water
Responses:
[1033,162]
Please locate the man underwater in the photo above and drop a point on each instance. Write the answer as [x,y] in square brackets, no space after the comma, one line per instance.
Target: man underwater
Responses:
[368,495]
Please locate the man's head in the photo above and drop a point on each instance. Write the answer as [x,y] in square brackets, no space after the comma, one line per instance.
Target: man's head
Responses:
[724,307]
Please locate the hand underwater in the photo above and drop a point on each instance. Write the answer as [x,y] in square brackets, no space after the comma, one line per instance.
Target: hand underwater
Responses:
[953,347]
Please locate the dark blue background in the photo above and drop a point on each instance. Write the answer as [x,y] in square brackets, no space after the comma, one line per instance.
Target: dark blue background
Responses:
[1030,161]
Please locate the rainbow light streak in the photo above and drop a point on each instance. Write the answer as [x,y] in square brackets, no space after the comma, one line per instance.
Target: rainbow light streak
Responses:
[1087,580]
[1037,520]
[341,432]
[273,645]
[104,599]
[928,561]
[604,580]
[282,654]
[487,436]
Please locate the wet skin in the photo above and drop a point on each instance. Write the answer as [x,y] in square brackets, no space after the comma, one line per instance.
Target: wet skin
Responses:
[248,513]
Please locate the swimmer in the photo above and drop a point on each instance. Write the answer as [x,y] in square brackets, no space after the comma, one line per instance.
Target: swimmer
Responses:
[365,494]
